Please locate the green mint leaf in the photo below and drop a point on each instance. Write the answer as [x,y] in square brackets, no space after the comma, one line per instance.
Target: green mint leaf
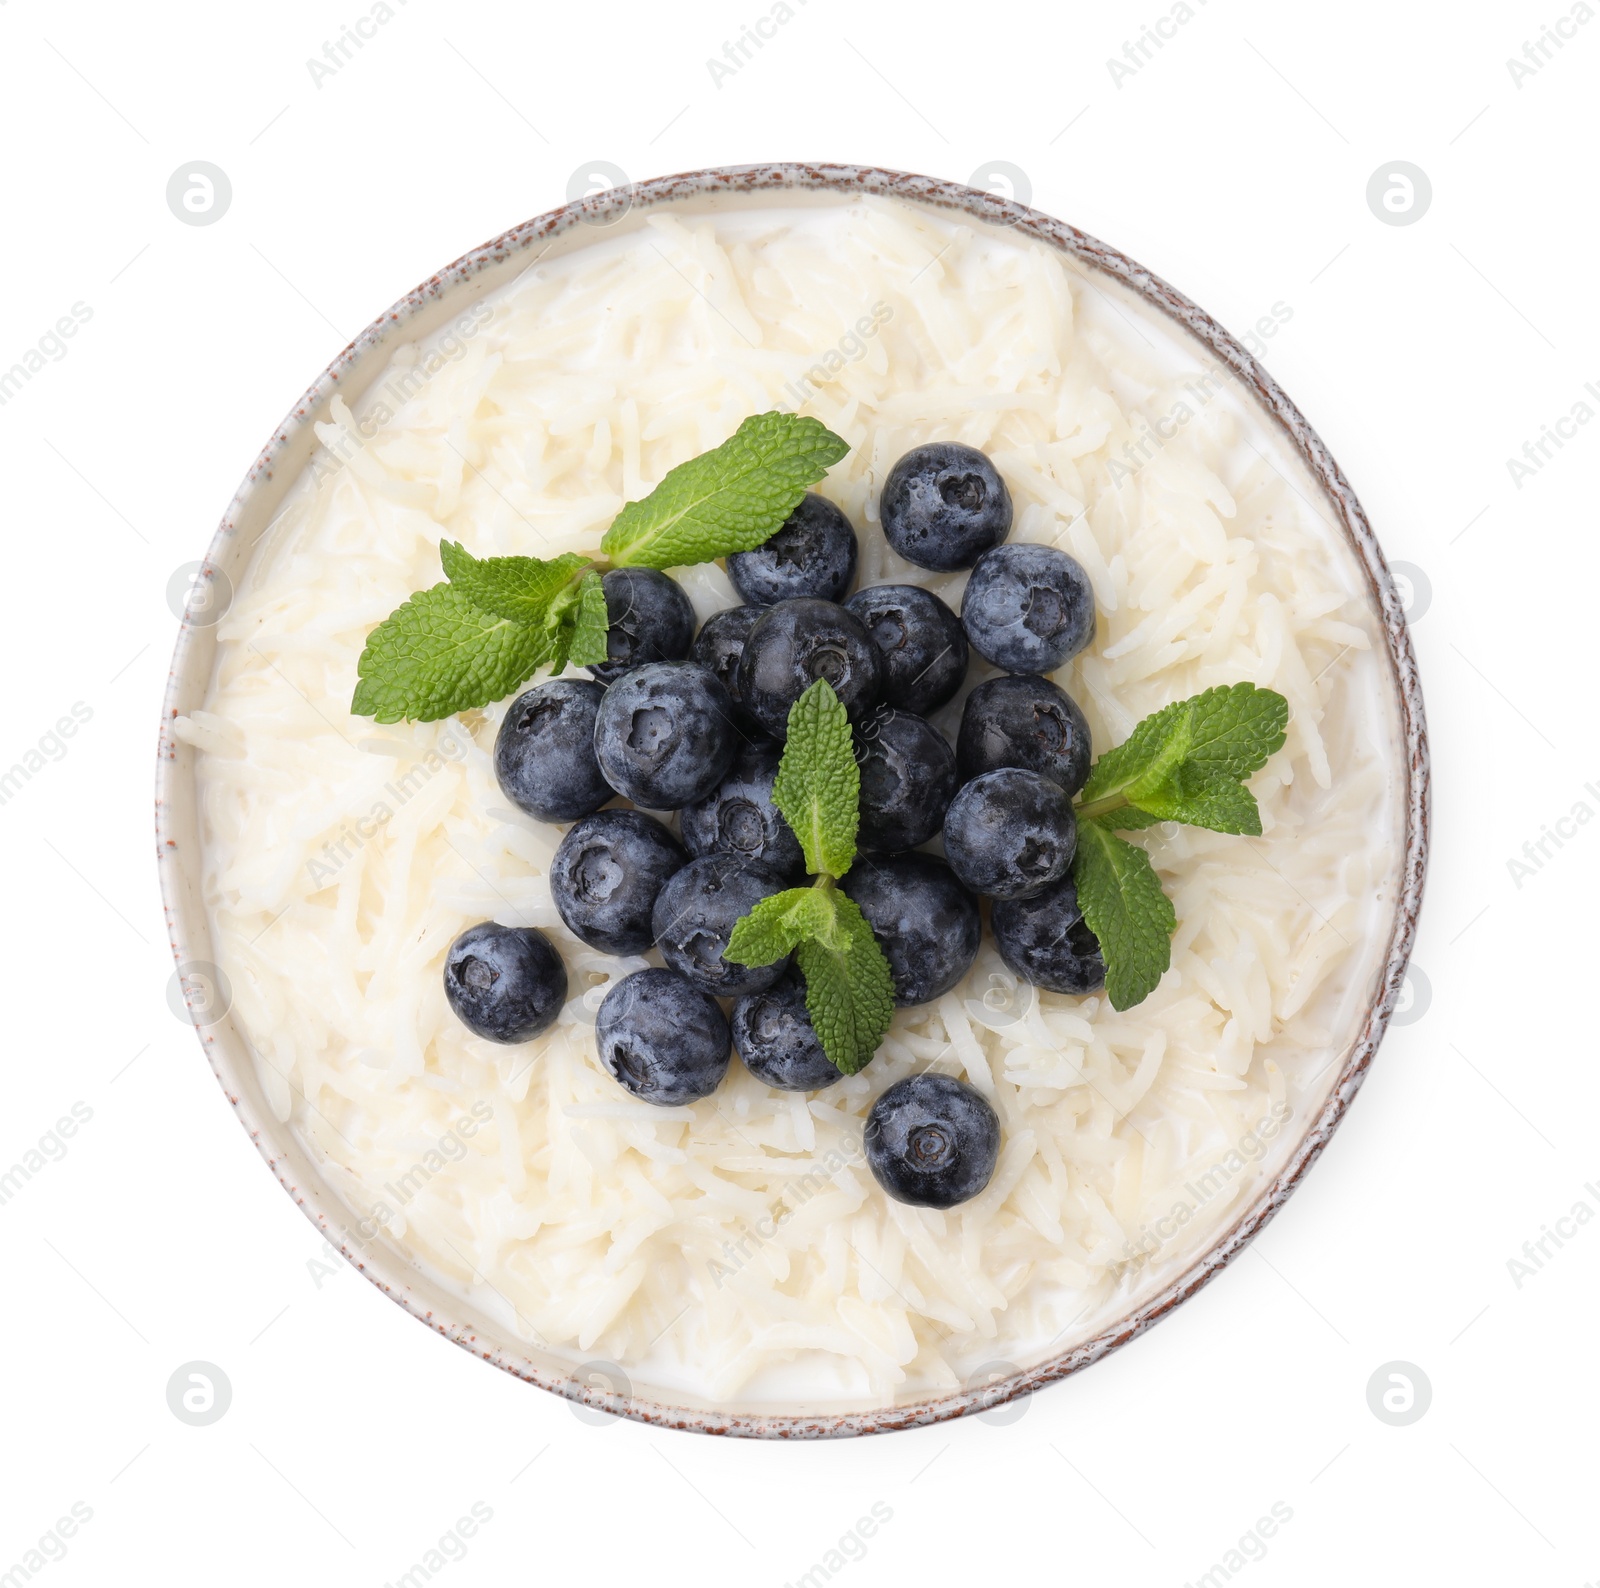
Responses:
[776,925]
[1126,909]
[438,654]
[729,499]
[1118,770]
[1233,730]
[1127,818]
[1224,806]
[560,625]
[518,588]
[590,623]
[818,786]
[849,989]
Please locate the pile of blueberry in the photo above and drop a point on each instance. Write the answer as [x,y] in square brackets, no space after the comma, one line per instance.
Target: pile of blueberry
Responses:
[675,721]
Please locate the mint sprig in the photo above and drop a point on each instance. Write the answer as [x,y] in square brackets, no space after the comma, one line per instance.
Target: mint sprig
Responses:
[1185,763]
[480,636]
[849,988]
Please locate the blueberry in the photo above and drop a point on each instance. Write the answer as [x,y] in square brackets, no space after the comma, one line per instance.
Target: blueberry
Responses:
[908,778]
[544,758]
[932,1141]
[1028,608]
[1027,721]
[944,505]
[695,915]
[924,646]
[664,734]
[793,645]
[776,1040]
[606,875]
[812,553]
[926,923]
[720,643]
[1045,940]
[738,817]
[1010,833]
[663,1040]
[505,983]
[649,619]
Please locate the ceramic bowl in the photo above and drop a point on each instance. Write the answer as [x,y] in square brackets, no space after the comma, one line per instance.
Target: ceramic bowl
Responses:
[427,308]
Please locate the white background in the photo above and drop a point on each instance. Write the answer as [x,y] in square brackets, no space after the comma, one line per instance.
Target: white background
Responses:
[1234,163]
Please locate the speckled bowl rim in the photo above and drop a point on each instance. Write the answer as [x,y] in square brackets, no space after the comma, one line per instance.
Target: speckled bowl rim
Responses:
[252,508]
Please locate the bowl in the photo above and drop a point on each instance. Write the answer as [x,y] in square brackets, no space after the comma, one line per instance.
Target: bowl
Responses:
[291,446]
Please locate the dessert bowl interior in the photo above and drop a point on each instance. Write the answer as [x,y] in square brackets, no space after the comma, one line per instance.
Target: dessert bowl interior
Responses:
[1112,286]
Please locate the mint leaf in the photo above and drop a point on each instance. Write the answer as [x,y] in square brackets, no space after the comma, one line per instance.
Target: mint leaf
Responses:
[577,619]
[849,989]
[519,588]
[818,786]
[776,925]
[1224,806]
[438,654]
[729,499]
[1118,770]
[561,645]
[1233,730]
[1126,818]
[590,624]
[1125,908]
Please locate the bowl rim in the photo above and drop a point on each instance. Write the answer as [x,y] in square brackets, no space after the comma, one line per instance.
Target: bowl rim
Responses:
[188,927]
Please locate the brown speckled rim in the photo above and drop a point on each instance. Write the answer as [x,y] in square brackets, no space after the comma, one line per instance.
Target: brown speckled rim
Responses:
[421,311]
